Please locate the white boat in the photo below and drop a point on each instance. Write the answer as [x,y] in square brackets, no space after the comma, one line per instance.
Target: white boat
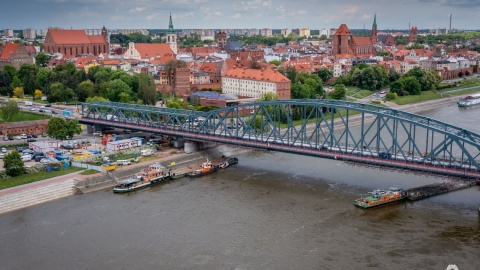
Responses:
[469,101]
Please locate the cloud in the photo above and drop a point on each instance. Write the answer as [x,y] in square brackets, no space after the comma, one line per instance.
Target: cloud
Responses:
[137,9]
[260,5]
[237,16]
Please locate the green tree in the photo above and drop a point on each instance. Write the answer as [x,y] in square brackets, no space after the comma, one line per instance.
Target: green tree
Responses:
[9,110]
[147,90]
[85,90]
[13,164]
[268,96]
[412,85]
[116,87]
[28,75]
[96,98]
[339,92]
[61,129]
[174,105]
[398,87]
[291,74]
[325,74]
[42,60]
[393,75]
[5,83]
[275,62]
[58,92]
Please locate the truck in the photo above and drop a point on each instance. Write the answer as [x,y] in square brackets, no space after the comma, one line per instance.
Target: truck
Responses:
[146,152]
[108,167]
[123,162]
[28,103]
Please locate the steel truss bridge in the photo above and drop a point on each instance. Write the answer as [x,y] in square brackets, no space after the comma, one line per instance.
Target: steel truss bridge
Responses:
[322,128]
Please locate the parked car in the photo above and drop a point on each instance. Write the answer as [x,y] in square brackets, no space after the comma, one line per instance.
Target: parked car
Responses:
[39,158]
[27,157]
[31,140]
[45,161]
[48,105]
[34,136]
[18,137]
[41,110]
[2,155]
[4,150]
[21,148]
[97,134]
[28,151]
[54,112]
[24,136]
[5,138]
[32,109]
[10,138]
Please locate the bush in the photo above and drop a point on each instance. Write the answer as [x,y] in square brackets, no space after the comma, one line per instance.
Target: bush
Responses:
[391,96]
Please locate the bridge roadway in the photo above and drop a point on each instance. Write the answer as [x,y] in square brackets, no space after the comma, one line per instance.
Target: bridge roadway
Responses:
[295,149]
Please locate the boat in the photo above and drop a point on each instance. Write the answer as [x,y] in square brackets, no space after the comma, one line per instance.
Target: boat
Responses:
[469,101]
[207,168]
[381,197]
[228,162]
[153,174]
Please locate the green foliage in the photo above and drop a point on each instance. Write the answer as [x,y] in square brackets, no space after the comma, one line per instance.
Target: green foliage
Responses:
[5,83]
[125,39]
[13,164]
[41,60]
[58,92]
[369,77]
[428,79]
[174,105]
[412,86]
[391,96]
[118,87]
[96,98]
[207,108]
[382,53]
[393,75]
[147,90]
[27,75]
[268,96]
[85,90]
[275,62]
[338,92]
[61,129]
[325,74]
[306,86]
[9,110]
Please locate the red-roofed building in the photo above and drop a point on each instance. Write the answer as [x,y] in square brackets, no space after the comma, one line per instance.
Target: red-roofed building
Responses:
[16,54]
[147,51]
[72,43]
[254,82]
[214,70]
[344,43]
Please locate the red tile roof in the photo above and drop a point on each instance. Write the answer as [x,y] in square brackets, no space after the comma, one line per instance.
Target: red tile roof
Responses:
[343,31]
[12,47]
[148,50]
[359,41]
[208,67]
[60,36]
[267,75]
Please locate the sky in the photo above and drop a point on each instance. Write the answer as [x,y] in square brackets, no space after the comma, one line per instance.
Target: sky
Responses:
[227,14]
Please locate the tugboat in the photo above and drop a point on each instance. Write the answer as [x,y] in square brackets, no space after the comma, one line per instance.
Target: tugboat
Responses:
[153,174]
[207,168]
[228,162]
[381,197]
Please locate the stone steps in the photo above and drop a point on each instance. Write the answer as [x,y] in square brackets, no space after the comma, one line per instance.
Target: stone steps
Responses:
[37,195]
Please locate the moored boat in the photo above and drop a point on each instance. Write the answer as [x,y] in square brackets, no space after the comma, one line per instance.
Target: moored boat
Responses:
[228,162]
[207,168]
[381,197]
[151,175]
[469,101]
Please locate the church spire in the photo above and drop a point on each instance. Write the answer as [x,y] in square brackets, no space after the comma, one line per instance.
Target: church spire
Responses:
[374,29]
[374,22]
[170,26]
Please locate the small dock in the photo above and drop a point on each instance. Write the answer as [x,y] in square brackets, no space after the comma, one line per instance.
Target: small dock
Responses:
[448,185]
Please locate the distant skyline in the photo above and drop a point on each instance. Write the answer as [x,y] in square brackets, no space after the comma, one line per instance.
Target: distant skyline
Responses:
[224,14]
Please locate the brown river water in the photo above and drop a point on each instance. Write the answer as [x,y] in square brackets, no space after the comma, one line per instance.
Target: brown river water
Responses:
[270,211]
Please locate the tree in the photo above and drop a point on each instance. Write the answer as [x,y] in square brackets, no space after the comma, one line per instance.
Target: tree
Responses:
[325,74]
[42,60]
[28,76]
[58,92]
[268,96]
[116,87]
[18,92]
[13,164]
[275,62]
[85,90]
[398,87]
[291,74]
[61,129]
[96,98]
[412,86]
[147,90]
[38,93]
[393,75]
[174,105]
[339,92]
[9,110]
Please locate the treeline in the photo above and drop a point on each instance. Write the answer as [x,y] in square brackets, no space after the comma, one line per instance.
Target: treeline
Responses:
[66,83]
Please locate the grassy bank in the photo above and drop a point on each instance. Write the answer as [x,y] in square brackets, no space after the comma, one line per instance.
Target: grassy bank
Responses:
[27,116]
[424,96]
[34,177]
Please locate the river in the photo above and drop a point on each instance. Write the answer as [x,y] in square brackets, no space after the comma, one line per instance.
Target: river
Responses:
[270,211]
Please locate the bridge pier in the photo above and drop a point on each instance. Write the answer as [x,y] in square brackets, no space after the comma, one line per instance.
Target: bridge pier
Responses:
[193,146]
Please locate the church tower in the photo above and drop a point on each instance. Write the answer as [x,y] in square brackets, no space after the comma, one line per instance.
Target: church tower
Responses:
[172,36]
[374,29]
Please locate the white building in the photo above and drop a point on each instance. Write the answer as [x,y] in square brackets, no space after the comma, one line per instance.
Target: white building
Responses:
[8,33]
[29,33]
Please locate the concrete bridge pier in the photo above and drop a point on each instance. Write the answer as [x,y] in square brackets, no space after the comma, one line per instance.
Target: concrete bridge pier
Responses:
[193,146]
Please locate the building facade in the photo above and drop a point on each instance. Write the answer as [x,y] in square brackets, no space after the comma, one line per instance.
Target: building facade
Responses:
[254,83]
[72,43]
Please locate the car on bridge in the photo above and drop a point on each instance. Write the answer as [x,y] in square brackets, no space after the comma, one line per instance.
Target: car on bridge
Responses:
[386,155]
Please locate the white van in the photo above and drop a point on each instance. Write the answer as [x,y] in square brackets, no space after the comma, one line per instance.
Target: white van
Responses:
[26,158]
[123,162]
[28,103]
[146,152]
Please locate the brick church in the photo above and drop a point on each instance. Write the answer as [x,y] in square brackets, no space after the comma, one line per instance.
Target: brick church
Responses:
[72,43]
[345,45]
